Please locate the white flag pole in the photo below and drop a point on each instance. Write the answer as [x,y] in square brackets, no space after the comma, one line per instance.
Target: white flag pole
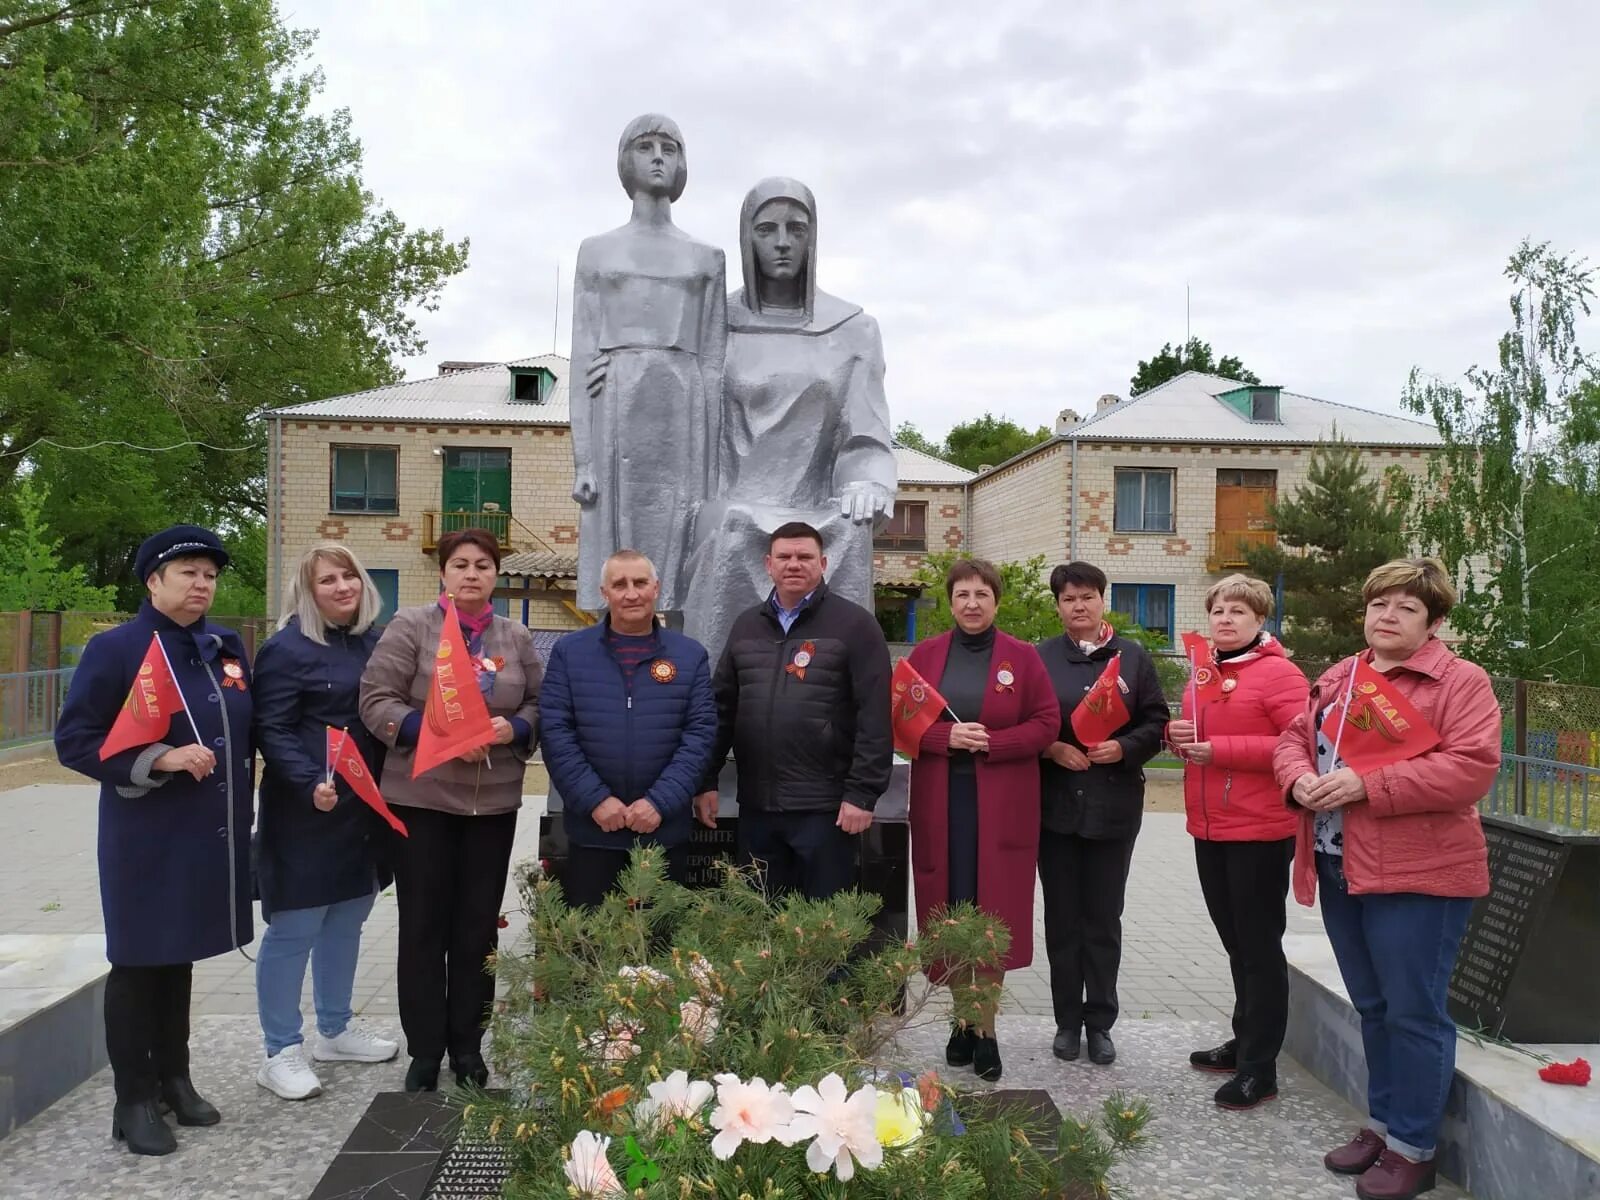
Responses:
[1344,712]
[177,687]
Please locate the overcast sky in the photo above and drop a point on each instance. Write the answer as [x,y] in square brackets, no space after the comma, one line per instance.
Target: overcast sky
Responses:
[1019,192]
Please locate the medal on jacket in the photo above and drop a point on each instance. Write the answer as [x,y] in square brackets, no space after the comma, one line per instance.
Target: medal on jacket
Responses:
[663,670]
[802,660]
[1229,684]
[232,674]
[1005,680]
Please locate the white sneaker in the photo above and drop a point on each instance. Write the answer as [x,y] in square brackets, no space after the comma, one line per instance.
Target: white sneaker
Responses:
[354,1045]
[286,1074]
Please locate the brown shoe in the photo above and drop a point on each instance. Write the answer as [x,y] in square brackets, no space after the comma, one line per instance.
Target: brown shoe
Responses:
[1395,1177]
[1356,1155]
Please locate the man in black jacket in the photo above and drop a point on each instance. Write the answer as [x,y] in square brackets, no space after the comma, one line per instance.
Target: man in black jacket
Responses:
[803,701]
[1092,804]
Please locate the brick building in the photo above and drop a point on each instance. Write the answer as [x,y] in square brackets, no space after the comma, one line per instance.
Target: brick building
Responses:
[1166,491]
[386,471]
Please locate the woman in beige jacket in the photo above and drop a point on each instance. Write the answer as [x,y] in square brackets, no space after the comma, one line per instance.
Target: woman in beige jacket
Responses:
[450,873]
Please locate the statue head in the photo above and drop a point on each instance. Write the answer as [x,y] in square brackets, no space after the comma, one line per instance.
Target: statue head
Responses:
[778,239]
[650,157]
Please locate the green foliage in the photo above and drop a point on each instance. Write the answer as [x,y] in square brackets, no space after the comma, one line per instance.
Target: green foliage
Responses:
[189,243]
[799,992]
[989,440]
[31,573]
[908,434]
[1195,356]
[1510,503]
[1335,528]
[1027,610]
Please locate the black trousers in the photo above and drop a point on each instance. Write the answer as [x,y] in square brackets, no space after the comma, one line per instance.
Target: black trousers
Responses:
[1246,885]
[147,1027]
[450,879]
[800,852]
[1084,881]
[591,872]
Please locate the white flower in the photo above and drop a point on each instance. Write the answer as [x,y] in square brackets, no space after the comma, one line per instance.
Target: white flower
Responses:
[648,974]
[749,1112]
[589,1170]
[672,1098]
[702,972]
[616,1042]
[700,1021]
[844,1128]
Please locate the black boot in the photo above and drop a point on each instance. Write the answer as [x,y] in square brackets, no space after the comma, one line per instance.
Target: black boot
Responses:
[423,1075]
[1067,1044]
[188,1105]
[958,1050]
[986,1059]
[1102,1050]
[470,1068]
[140,1125]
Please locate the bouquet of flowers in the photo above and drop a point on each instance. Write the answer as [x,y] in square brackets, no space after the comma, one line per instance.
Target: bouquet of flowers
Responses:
[706,1043]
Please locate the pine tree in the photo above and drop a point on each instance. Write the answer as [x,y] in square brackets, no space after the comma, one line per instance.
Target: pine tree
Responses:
[1335,528]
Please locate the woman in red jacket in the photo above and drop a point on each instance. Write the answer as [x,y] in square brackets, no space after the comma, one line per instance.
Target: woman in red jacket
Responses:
[1400,854]
[975,816]
[1244,836]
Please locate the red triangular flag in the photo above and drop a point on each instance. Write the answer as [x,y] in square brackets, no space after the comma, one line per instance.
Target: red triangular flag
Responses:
[1377,725]
[455,718]
[1204,677]
[344,756]
[1102,712]
[917,705]
[153,700]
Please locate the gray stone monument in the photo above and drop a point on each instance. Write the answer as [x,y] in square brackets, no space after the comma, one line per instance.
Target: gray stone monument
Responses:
[804,423]
[649,333]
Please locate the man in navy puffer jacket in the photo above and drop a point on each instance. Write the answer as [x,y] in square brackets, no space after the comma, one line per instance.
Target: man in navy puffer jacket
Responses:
[628,724]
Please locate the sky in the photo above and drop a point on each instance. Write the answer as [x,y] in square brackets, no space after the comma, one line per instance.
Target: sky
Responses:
[1021,193]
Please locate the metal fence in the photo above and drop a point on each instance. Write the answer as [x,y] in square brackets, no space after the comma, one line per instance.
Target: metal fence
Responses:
[1547,790]
[30,701]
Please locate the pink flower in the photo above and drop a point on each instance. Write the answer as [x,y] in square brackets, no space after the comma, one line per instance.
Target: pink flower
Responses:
[749,1112]
[589,1170]
[843,1128]
[698,1020]
[615,1043]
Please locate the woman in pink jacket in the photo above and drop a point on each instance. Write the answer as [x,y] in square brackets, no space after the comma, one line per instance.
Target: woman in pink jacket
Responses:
[1244,836]
[1400,855]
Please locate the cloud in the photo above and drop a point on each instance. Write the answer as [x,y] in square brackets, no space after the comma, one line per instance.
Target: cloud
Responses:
[1021,194]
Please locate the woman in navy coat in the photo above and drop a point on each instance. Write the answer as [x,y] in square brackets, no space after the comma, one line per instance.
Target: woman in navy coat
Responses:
[174,827]
[321,853]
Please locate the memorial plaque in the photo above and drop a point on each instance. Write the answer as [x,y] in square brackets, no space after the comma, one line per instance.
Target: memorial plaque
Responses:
[1521,972]
[469,1171]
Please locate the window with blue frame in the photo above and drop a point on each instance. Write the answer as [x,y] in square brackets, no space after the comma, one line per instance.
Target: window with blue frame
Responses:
[1150,605]
[388,584]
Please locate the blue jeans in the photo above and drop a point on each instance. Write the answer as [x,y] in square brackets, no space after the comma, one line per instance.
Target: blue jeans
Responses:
[1396,951]
[330,936]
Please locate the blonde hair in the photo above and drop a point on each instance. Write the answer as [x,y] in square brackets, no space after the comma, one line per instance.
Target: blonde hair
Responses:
[1424,578]
[301,599]
[1254,592]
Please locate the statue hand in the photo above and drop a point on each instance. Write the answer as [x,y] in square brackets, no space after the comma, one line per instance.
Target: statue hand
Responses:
[585,490]
[865,502]
[594,381]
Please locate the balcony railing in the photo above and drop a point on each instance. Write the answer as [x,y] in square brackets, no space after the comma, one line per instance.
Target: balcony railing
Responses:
[436,524]
[1226,549]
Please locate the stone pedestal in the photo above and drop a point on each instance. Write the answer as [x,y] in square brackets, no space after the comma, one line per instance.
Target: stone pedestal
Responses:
[52,1019]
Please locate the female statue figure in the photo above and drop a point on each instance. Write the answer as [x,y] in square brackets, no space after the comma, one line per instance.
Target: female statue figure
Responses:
[648,339]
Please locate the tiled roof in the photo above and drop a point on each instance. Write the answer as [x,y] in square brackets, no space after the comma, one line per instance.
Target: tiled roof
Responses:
[480,395]
[916,467]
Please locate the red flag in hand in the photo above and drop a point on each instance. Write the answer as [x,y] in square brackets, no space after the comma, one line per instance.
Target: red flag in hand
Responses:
[153,700]
[455,718]
[344,756]
[1377,725]
[1102,712]
[1207,680]
[917,705]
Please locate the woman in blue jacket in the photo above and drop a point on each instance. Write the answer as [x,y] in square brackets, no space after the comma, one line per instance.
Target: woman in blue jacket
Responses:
[321,853]
[174,830]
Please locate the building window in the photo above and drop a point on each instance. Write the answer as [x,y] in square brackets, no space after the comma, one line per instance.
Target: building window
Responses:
[388,584]
[1144,501]
[907,529]
[530,385]
[1147,604]
[1264,404]
[364,479]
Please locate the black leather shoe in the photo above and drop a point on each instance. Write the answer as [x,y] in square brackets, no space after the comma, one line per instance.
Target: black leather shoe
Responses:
[186,1104]
[1223,1058]
[1246,1091]
[470,1068]
[1102,1050]
[140,1125]
[986,1058]
[958,1050]
[423,1075]
[1066,1044]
